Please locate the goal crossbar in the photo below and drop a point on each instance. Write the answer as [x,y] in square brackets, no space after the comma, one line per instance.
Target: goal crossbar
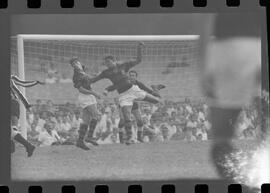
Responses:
[109,37]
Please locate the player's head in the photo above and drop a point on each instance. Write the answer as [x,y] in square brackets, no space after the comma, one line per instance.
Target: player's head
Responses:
[75,63]
[133,75]
[109,61]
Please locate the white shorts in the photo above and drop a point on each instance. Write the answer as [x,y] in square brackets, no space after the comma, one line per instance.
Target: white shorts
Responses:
[134,93]
[86,100]
[232,72]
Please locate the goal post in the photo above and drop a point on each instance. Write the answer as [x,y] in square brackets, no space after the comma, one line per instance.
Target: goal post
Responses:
[33,49]
[21,73]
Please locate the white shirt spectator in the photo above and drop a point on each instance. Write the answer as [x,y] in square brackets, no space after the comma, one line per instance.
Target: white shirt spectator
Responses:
[31,118]
[102,125]
[76,122]
[189,109]
[172,130]
[207,125]
[65,126]
[190,136]
[170,110]
[201,116]
[47,139]
[203,133]
[40,125]
[192,124]
[154,109]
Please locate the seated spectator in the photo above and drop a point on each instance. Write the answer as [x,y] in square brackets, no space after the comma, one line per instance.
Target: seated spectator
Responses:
[41,120]
[179,135]
[201,133]
[30,116]
[48,136]
[190,134]
[192,123]
[165,132]
[64,128]
[201,116]
[104,128]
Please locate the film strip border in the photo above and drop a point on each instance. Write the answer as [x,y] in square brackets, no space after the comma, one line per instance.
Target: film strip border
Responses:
[136,188]
[100,5]
[36,4]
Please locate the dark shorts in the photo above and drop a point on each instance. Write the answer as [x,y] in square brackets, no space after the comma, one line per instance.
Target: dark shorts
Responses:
[15,108]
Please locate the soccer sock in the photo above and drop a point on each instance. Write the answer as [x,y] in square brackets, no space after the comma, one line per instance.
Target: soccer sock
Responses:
[92,128]
[128,128]
[139,135]
[82,131]
[19,138]
[121,136]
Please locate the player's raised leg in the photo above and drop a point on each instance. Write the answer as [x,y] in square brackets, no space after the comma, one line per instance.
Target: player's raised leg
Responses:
[15,134]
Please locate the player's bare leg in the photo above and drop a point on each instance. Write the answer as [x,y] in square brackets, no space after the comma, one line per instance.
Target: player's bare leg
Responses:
[19,138]
[92,110]
[83,130]
[121,126]
[126,110]
[137,114]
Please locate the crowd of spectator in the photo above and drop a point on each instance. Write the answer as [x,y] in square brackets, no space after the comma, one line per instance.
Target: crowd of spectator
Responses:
[54,76]
[50,124]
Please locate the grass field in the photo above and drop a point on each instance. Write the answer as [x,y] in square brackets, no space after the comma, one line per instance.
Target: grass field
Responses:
[150,161]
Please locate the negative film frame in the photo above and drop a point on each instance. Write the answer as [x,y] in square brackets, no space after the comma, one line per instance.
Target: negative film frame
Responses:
[86,6]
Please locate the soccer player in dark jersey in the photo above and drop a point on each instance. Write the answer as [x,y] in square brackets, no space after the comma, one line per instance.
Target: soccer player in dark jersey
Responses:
[135,108]
[116,72]
[87,99]
[16,96]
[231,76]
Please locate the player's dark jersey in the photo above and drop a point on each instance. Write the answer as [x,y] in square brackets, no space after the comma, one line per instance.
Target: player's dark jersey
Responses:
[81,79]
[139,84]
[118,76]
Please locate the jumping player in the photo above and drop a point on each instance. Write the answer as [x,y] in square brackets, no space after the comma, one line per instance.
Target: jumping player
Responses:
[231,77]
[116,72]
[16,95]
[87,99]
[135,108]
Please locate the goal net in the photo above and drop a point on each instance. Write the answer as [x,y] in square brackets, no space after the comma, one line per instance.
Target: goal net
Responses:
[169,60]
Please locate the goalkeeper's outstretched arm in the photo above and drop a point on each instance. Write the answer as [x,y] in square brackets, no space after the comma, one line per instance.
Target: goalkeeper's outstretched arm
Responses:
[131,63]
